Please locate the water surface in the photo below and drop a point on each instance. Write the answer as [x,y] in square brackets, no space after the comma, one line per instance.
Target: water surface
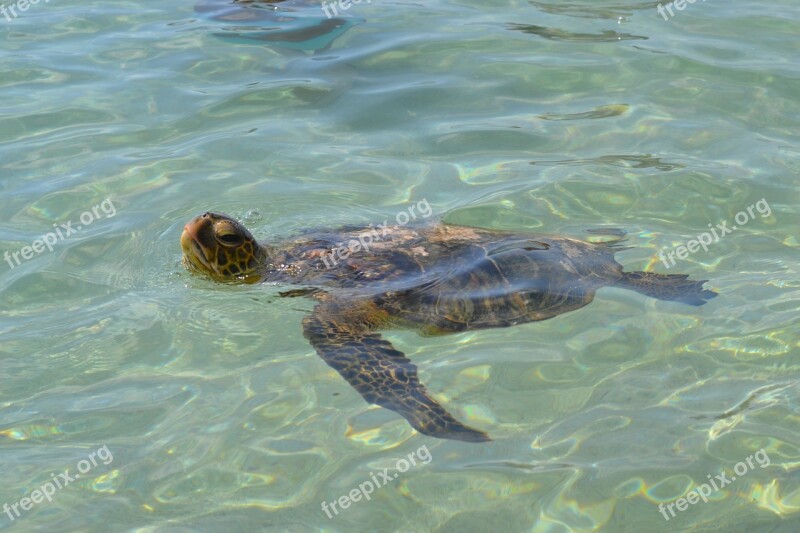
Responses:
[528,116]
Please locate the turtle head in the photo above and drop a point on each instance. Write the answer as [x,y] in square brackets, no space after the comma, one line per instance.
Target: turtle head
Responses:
[221,248]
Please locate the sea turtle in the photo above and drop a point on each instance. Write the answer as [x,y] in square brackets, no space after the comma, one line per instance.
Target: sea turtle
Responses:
[435,277]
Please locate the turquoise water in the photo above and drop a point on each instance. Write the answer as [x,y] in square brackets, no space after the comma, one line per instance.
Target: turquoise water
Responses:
[192,406]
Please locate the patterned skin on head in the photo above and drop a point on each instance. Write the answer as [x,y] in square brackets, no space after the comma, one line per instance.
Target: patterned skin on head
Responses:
[221,248]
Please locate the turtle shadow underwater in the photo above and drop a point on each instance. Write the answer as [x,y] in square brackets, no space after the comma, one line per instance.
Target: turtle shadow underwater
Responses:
[288,24]
[434,277]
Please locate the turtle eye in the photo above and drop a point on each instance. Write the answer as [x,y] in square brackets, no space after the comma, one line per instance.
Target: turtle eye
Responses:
[231,238]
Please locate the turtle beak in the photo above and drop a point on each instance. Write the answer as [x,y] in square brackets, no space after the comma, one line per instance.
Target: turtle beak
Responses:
[191,243]
[190,230]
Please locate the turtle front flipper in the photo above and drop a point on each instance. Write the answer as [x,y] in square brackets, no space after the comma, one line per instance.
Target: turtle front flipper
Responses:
[344,336]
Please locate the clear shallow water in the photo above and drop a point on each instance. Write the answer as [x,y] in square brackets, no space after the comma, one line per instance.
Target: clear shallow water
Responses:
[545,117]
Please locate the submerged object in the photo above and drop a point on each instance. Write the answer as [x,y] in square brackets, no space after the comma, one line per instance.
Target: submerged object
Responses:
[293,24]
[436,278]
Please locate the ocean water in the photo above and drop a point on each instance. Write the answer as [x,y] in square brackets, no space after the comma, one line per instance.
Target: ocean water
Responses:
[137,397]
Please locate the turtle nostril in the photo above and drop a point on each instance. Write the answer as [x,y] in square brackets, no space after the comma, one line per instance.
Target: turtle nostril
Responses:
[205,215]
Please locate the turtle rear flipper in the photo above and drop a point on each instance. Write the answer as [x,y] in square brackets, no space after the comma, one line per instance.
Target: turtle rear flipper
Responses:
[343,335]
[674,287]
